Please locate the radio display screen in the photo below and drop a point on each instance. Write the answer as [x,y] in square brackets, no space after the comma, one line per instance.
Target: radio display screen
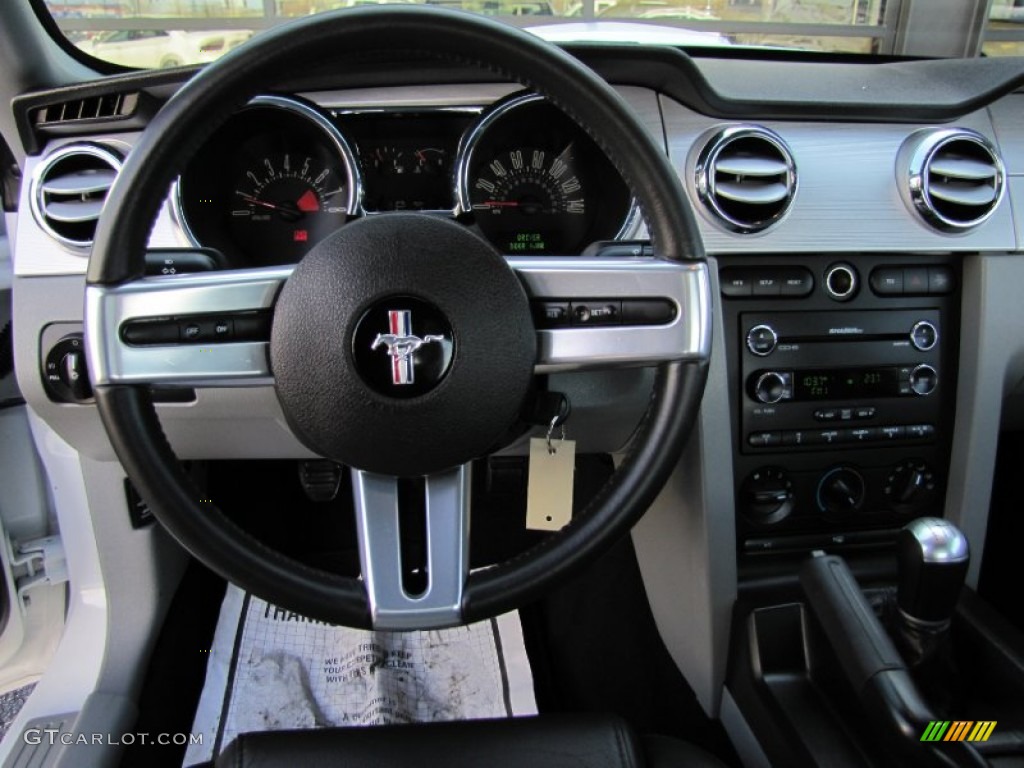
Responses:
[845,383]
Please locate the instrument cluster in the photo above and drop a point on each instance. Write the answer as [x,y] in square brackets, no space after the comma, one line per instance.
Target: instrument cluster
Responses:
[281,175]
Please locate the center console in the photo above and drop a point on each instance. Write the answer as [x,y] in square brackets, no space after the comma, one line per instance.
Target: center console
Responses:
[843,381]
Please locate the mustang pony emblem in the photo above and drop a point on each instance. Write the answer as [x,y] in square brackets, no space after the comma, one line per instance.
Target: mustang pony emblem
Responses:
[401,343]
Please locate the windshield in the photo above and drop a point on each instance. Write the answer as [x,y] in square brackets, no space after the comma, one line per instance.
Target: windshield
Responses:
[166,33]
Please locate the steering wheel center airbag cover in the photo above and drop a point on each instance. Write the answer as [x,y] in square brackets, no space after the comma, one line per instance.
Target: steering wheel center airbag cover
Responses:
[455,344]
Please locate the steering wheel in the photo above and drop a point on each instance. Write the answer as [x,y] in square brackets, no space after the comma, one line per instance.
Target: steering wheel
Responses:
[353,305]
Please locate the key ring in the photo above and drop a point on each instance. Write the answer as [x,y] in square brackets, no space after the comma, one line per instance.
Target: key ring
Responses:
[551,429]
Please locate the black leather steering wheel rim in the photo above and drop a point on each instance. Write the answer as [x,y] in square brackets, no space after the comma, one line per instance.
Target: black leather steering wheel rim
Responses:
[208,100]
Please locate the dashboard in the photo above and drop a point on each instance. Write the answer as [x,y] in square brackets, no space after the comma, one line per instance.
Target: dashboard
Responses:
[832,413]
[282,174]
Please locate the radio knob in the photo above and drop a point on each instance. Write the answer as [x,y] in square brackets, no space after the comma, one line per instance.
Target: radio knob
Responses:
[771,387]
[761,340]
[841,491]
[923,380]
[924,335]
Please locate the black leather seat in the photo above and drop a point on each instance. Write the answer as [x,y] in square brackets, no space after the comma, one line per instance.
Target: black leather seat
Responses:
[549,741]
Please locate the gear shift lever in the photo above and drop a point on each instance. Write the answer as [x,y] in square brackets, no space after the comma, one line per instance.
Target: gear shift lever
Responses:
[933,557]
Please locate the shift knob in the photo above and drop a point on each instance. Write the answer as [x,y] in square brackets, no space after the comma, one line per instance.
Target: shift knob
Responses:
[933,557]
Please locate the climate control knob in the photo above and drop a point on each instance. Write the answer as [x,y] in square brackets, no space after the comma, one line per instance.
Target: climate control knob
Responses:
[766,496]
[910,486]
[841,491]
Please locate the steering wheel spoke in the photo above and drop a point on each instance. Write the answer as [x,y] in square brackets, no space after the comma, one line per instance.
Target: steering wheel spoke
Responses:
[616,312]
[196,329]
[447,499]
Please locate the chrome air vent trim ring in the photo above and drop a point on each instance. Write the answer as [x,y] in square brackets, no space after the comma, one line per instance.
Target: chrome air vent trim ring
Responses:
[945,149]
[773,168]
[48,182]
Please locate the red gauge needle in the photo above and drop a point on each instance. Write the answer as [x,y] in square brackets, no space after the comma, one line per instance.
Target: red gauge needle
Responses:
[501,204]
[256,201]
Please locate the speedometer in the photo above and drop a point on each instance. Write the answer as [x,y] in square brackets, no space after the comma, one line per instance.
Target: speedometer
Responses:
[530,199]
[536,183]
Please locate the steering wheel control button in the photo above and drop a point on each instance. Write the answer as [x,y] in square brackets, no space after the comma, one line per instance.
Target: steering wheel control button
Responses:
[841,282]
[403,347]
[551,314]
[762,340]
[923,380]
[924,336]
[597,312]
[648,311]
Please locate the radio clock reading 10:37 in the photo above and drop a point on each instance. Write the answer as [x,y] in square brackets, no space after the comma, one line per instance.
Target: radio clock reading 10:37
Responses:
[530,200]
[824,385]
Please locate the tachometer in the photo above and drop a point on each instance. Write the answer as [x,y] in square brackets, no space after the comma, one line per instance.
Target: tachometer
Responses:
[286,200]
[270,184]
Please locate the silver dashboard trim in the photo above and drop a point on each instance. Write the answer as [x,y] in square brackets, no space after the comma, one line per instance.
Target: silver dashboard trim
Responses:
[112,361]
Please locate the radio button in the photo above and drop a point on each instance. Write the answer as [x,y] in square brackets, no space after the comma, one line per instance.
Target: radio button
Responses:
[920,431]
[915,280]
[924,335]
[864,413]
[887,281]
[860,435]
[826,414]
[923,380]
[761,341]
[830,436]
[796,282]
[940,280]
[765,439]
[736,283]
[767,284]
[892,433]
[798,437]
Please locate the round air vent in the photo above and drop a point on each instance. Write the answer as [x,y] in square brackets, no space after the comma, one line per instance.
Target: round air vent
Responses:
[746,177]
[69,187]
[954,177]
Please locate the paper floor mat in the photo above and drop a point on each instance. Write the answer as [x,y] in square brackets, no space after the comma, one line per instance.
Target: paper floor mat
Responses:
[271,669]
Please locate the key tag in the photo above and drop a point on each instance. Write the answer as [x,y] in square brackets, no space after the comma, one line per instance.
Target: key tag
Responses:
[549,483]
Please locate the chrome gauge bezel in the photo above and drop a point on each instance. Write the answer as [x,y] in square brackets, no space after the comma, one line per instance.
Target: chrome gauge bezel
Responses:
[468,143]
[474,135]
[353,203]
